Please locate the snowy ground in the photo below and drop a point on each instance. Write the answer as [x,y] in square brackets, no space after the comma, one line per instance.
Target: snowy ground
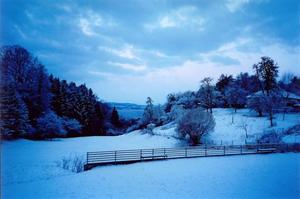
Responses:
[227,133]
[252,176]
[29,168]
[26,161]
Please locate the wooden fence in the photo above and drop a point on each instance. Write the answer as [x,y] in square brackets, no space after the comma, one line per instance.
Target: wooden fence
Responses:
[137,155]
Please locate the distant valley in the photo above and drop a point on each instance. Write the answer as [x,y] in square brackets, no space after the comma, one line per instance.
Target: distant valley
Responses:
[128,110]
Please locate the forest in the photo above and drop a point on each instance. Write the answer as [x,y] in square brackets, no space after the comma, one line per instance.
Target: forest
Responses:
[37,105]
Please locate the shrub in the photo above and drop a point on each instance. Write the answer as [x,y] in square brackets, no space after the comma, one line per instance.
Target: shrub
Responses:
[74,163]
[149,129]
[176,112]
[270,137]
[71,126]
[49,125]
[194,124]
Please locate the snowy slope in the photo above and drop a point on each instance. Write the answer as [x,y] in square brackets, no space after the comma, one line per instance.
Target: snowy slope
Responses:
[26,160]
[29,168]
[252,176]
[229,132]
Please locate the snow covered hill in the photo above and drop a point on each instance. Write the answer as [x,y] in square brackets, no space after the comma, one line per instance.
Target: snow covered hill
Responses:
[227,132]
[30,168]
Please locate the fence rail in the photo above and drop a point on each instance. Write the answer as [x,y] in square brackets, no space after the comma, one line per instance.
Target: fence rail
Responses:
[137,155]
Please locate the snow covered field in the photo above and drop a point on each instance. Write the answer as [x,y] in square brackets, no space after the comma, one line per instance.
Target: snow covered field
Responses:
[252,176]
[226,132]
[29,168]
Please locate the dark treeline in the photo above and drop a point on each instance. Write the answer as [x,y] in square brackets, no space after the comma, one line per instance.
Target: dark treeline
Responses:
[80,103]
[37,105]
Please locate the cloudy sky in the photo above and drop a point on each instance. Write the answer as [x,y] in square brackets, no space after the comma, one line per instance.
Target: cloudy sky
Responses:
[128,50]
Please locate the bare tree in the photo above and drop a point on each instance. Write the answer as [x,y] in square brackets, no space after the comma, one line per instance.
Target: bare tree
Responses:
[266,72]
[263,103]
[272,101]
[206,94]
[195,123]
[244,126]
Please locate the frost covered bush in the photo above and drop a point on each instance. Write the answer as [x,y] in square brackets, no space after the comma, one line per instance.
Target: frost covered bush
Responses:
[256,104]
[74,163]
[176,112]
[235,96]
[194,124]
[50,125]
[266,103]
[133,128]
[152,114]
[71,126]
[293,130]
[149,129]
[187,99]
[270,137]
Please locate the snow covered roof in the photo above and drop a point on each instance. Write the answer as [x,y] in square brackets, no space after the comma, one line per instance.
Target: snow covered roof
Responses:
[282,92]
[292,95]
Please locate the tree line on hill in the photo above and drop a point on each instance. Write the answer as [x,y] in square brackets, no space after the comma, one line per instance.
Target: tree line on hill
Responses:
[37,105]
[260,92]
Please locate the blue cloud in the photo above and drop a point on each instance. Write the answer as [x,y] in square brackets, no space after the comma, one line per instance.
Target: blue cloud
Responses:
[225,60]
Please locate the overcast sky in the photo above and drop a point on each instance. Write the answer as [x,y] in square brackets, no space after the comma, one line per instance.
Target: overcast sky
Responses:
[128,50]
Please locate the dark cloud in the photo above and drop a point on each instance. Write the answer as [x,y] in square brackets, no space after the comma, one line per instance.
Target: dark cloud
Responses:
[94,41]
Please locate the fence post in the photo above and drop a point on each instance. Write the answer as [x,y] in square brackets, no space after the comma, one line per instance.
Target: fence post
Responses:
[185,152]
[152,154]
[141,153]
[165,153]
[115,156]
[224,150]
[205,150]
[87,157]
[241,149]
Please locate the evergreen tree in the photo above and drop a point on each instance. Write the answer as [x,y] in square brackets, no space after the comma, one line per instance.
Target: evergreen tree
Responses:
[223,82]
[29,77]
[14,114]
[28,93]
[248,82]
[115,120]
[171,99]
[148,111]
[56,95]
